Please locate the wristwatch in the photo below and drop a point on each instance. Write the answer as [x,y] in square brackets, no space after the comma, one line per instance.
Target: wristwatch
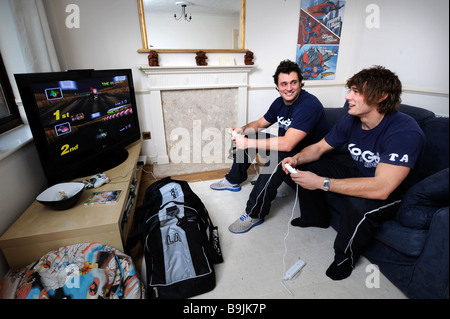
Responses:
[326,184]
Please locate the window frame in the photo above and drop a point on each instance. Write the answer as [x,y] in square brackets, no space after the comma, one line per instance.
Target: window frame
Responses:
[13,119]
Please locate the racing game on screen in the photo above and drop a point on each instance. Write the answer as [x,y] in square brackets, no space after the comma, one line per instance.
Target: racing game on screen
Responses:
[84,115]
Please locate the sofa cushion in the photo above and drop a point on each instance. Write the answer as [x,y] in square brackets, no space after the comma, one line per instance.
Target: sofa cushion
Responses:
[406,240]
[334,114]
[419,114]
[436,152]
[423,199]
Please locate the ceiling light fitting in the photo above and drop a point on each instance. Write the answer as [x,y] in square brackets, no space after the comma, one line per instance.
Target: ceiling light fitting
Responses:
[183,12]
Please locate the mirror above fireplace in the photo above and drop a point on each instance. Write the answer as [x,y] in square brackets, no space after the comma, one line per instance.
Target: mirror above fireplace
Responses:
[191,26]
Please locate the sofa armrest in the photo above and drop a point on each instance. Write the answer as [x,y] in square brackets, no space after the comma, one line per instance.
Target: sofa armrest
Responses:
[431,273]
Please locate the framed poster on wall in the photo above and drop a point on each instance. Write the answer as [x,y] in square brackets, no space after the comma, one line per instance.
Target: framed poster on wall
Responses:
[319,38]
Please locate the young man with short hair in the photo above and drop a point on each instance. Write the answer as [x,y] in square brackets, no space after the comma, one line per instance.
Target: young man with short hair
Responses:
[383,146]
[301,121]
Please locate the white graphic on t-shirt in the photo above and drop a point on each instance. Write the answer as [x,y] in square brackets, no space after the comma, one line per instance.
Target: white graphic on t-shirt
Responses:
[393,157]
[369,158]
[284,123]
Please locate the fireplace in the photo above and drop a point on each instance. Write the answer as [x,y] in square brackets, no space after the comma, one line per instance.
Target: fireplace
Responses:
[191,108]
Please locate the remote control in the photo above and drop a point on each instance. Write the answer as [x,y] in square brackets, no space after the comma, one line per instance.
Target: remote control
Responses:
[234,133]
[294,270]
[290,169]
[97,181]
[102,179]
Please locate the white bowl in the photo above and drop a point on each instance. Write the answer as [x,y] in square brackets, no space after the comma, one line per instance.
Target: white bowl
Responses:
[61,196]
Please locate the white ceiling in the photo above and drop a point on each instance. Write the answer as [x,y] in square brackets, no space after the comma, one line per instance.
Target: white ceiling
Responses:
[195,7]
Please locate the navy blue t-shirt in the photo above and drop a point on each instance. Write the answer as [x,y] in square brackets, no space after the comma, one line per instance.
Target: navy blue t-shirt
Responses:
[305,114]
[397,140]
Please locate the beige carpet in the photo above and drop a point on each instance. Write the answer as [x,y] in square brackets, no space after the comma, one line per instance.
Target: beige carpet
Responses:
[253,264]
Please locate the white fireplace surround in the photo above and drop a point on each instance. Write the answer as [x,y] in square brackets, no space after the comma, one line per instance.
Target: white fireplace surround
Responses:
[163,78]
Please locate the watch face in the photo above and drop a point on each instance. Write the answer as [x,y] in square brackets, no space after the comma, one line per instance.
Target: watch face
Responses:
[326,184]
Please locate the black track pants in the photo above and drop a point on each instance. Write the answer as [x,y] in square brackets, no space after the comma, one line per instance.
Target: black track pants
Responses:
[359,217]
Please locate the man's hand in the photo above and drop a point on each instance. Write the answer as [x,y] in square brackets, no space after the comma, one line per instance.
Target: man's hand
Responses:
[308,180]
[241,142]
[288,160]
[238,130]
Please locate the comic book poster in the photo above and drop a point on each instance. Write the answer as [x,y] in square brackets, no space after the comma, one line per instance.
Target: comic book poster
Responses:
[318,62]
[319,38]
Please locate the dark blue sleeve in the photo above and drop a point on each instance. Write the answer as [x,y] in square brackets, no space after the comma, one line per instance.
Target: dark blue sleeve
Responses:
[307,115]
[403,149]
[272,112]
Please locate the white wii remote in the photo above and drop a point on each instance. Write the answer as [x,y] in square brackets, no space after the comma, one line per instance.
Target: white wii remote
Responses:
[290,169]
[293,271]
[234,133]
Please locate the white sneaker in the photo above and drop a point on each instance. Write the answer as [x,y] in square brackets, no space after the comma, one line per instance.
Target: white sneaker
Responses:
[224,184]
[244,224]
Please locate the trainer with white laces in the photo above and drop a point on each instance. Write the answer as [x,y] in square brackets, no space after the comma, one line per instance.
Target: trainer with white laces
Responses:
[224,184]
[301,121]
[244,224]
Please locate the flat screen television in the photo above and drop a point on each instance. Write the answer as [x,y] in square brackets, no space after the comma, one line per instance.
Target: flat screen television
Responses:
[81,120]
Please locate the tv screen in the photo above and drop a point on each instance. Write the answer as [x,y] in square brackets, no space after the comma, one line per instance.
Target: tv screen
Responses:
[81,120]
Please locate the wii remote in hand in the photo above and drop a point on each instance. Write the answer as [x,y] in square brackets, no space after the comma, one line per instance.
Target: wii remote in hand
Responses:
[290,169]
[234,133]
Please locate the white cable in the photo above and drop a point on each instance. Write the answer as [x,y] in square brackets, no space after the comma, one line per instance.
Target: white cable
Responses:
[289,222]
[264,190]
[285,237]
[286,287]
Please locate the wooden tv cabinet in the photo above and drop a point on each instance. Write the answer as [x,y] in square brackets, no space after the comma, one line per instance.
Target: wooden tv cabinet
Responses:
[40,229]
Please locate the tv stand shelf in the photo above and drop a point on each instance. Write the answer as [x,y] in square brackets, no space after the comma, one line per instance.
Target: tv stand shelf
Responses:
[40,229]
